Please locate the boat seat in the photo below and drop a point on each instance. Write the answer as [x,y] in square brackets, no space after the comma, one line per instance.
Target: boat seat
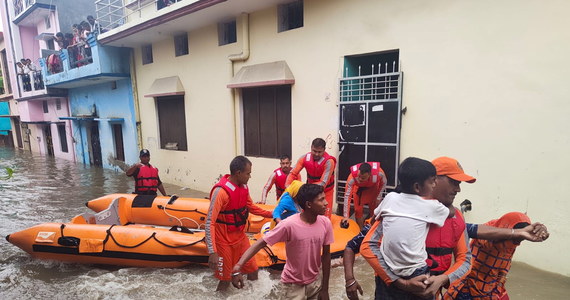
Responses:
[109,216]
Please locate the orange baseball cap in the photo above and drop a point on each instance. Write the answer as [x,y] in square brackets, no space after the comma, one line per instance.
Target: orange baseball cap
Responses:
[451,168]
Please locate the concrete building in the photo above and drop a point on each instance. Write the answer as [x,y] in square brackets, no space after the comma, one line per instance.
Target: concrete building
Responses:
[101,105]
[29,29]
[484,83]
[6,134]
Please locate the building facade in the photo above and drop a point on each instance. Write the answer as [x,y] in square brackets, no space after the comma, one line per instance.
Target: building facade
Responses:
[484,83]
[30,28]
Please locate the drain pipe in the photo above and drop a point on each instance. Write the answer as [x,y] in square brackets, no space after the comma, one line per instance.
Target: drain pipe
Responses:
[243,56]
[136,100]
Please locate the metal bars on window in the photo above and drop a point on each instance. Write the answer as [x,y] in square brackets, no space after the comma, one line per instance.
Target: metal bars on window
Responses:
[380,86]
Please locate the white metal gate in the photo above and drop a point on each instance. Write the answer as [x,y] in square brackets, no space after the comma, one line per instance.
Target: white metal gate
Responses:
[369,127]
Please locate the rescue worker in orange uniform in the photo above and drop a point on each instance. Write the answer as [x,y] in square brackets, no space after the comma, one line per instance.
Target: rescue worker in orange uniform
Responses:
[225,223]
[320,170]
[363,185]
[277,178]
[146,176]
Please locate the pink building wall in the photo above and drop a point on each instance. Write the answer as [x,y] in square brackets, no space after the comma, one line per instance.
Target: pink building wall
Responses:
[30,46]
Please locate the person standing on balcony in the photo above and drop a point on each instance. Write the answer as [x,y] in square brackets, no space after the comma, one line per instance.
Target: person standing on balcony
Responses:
[146,176]
[95,26]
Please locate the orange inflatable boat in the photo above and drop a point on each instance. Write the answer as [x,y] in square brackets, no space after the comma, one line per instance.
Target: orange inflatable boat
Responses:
[110,237]
[169,211]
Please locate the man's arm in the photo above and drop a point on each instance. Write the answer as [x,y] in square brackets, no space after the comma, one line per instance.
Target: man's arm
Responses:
[294,174]
[348,196]
[352,286]
[353,247]
[133,168]
[462,257]
[237,279]
[267,188]
[535,232]
[326,265]
[256,210]
[327,173]
[219,200]
[161,189]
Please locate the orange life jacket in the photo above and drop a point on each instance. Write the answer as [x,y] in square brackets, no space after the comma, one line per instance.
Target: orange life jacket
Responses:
[440,242]
[280,178]
[146,179]
[376,174]
[315,169]
[236,212]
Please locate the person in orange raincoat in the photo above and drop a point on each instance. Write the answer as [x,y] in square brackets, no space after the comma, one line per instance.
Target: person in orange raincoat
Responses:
[491,261]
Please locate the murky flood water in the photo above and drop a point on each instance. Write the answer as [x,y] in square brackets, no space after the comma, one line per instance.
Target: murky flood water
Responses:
[52,190]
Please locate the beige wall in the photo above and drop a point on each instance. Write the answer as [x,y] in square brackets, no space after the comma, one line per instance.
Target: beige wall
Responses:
[484,82]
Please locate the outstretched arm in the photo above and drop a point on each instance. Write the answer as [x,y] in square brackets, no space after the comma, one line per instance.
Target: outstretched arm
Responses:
[132,169]
[294,174]
[267,188]
[237,279]
[535,232]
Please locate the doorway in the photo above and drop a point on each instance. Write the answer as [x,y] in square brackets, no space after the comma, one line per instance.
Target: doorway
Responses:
[95,145]
[49,140]
[369,111]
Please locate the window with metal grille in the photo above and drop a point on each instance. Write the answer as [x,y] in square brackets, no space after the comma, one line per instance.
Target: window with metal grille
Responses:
[62,137]
[57,104]
[45,106]
[172,122]
[146,54]
[227,33]
[118,135]
[290,16]
[181,44]
[267,121]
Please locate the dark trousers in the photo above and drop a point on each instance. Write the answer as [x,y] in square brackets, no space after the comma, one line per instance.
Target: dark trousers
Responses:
[385,292]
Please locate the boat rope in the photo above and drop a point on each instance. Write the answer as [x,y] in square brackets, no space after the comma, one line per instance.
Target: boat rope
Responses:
[274,258]
[182,210]
[152,236]
[180,219]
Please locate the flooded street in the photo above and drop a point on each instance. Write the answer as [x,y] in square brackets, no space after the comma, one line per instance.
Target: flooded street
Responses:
[49,190]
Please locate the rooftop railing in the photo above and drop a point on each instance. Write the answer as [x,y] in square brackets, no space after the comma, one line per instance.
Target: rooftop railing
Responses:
[114,13]
[21,5]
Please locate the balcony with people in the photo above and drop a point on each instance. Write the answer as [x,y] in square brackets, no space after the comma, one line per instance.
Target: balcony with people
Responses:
[81,61]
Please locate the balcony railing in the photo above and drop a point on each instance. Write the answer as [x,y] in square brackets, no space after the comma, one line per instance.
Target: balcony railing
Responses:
[30,82]
[114,13]
[21,5]
[83,64]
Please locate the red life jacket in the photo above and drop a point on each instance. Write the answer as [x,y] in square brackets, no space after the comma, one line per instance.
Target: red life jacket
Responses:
[236,212]
[146,179]
[376,174]
[440,242]
[315,169]
[280,178]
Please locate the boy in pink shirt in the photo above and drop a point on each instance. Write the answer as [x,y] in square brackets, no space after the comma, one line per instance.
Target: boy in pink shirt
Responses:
[304,234]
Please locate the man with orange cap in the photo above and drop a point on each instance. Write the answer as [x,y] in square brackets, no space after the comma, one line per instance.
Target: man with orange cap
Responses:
[320,170]
[449,258]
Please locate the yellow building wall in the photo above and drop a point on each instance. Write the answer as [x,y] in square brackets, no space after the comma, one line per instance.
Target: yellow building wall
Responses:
[484,82]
